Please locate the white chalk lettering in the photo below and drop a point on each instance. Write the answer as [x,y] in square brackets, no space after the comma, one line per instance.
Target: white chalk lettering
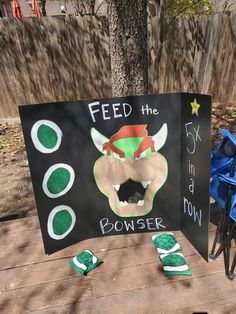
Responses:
[141,221]
[108,111]
[129,225]
[198,216]
[104,111]
[191,186]
[125,108]
[190,210]
[150,224]
[193,137]
[197,136]
[103,224]
[191,169]
[147,110]
[115,109]
[92,111]
[158,222]
[117,223]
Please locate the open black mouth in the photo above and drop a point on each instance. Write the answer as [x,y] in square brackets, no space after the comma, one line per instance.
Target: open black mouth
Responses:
[131,192]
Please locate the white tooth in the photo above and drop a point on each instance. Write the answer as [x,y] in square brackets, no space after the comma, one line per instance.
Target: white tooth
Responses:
[116,187]
[145,184]
[123,203]
[140,202]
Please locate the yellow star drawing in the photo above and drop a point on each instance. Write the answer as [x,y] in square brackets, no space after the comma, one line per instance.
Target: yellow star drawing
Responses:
[195,107]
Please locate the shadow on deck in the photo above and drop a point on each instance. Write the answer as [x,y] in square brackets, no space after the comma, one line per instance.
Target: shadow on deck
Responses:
[129,281]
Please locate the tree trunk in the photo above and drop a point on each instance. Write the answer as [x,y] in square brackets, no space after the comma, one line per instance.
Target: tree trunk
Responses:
[128,46]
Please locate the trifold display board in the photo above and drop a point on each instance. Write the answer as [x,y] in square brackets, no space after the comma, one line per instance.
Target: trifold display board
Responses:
[112,166]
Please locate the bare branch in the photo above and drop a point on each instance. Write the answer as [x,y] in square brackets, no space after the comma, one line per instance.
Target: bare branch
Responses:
[99,6]
[231,4]
[166,29]
[181,11]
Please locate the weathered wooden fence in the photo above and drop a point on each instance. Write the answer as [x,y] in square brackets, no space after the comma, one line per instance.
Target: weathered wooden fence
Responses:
[67,58]
[52,59]
[195,54]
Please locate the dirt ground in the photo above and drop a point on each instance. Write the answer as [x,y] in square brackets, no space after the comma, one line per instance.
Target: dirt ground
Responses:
[16,192]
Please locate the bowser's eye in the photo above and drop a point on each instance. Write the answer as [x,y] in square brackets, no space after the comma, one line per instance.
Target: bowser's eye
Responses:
[116,156]
[142,155]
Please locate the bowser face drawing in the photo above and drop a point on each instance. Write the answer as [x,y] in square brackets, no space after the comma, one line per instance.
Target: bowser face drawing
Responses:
[131,170]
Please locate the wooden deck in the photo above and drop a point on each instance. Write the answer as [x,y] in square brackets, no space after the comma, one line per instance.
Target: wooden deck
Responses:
[129,281]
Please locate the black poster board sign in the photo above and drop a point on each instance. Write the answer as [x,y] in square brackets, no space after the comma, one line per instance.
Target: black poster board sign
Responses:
[120,165]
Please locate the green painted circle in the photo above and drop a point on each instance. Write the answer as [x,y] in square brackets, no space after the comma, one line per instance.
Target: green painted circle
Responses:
[58,180]
[61,222]
[47,136]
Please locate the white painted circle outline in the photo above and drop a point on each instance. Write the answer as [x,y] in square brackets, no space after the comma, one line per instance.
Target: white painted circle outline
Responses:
[54,211]
[36,141]
[48,174]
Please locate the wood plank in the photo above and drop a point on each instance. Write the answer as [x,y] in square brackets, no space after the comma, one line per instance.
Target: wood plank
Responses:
[131,272]
[118,305]
[19,225]
[86,307]
[39,272]
[143,285]
[52,270]
[139,303]
[25,268]
[29,250]
[26,247]
[18,232]
[17,240]
[24,255]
